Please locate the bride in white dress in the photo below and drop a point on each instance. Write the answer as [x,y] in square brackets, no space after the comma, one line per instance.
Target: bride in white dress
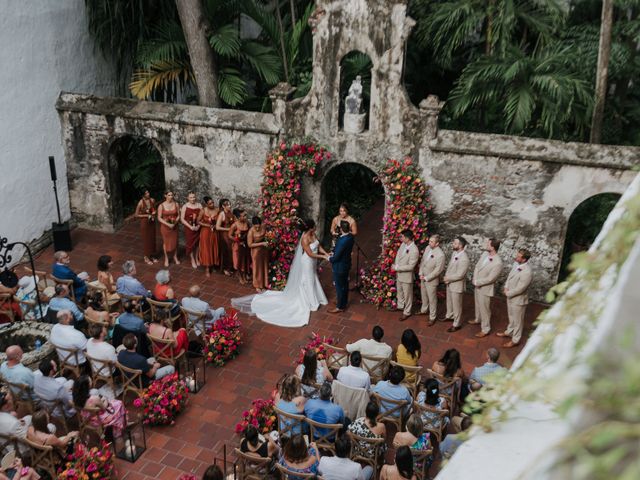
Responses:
[303,292]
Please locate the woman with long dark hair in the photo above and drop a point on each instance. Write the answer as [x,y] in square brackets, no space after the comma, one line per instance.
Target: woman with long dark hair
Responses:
[403,469]
[312,372]
[369,427]
[409,351]
[146,212]
[223,224]
[112,412]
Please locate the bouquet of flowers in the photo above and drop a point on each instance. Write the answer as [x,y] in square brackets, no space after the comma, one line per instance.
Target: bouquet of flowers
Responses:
[261,415]
[407,207]
[280,192]
[163,400]
[316,343]
[223,339]
[88,464]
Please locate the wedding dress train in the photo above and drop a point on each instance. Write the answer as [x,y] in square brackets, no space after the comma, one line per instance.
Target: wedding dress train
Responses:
[290,307]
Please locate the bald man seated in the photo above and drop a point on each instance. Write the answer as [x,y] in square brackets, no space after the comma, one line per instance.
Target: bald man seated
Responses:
[195,304]
[12,370]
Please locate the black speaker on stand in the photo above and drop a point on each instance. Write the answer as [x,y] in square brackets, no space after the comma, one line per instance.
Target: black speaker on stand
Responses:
[61,231]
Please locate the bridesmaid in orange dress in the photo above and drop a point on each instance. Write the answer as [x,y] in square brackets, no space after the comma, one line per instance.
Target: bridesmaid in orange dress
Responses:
[208,236]
[168,213]
[259,254]
[189,218]
[146,212]
[223,224]
[241,252]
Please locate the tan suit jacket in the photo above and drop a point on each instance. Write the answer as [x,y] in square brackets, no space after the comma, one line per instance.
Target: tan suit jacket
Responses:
[486,274]
[457,271]
[518,283]
[406,261]
[432,265]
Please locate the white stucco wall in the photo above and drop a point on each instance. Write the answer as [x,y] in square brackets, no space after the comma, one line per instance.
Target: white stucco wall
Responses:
[45,48]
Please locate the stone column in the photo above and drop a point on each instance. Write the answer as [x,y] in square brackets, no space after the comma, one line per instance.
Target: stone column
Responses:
[279,96]
[429,111]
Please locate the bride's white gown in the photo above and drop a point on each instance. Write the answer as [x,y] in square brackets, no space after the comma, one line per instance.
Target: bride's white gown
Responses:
[290,307]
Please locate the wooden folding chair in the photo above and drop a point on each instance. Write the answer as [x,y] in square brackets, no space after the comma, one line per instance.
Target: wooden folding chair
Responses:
[101,371]
[56,409]
[326,441]
[68,283]
[6,299]
[108,305]
[420,460]
[91,430]
[40,456]
[336,357]
[362,447]
[433,418]
[137,300]
[449,389]
[163,309]
[412,377]
[22,397]
[162,349]
[68,358]
[376,367]
[44,278]
[194,321]
[287,423]
[251,466]
[389,408]
[131,380]
[286,474]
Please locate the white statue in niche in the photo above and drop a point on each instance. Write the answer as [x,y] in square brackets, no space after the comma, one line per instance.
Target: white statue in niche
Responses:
[353,102]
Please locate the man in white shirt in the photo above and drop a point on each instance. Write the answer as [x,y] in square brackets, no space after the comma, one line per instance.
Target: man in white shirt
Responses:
[64,335]
[195,304]
[10,425]
[341,467]
[352,375]
[373,347]
[98,349]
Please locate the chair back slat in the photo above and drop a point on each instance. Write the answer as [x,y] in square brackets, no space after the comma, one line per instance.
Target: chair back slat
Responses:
[287,423]
[362,446]
[376,367]
[286,473]
[420,461]
[131,380]
[326,440]
[434,419]
[251,466]
[65,356]
[69,284]
[412,376]
[388,409]
[336,357]
[194,321]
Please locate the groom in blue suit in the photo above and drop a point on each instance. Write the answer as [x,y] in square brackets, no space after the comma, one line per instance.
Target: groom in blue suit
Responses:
[341,263]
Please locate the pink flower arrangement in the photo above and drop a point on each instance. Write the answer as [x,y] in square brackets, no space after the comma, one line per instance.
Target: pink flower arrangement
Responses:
[280,192]
[261,415]
[187,476]
[407,207]
[88,464]
[223,339]
[163,400]
[316,343]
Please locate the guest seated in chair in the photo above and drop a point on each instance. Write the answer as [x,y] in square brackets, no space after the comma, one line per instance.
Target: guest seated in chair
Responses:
[151,370]
[64,335]
[40,434]
[299,458]
[12,370]
[194,303]
[372,347]
[312,372]
[158,329]
[430,396]
[352,375]
[254,442]
[130,321]
[403,468]
[50,390]
[105,278]
[128,284]
[99,349]
[96,313]
[392,390]
[450,366]
[9,285]
[414,438]
[62,271]
[323,410]
[61,301]
[28,296]
[17,471]
[290,400]
[479,375]
[409,350]
[112,412]
[341,467]
[369,427]
[163,291]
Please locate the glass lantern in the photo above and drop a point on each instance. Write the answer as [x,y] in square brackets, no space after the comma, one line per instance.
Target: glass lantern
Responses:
[195,375]
[132,444]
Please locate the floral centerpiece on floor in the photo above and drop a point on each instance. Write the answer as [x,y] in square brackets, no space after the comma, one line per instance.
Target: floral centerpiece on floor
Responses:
[163,400]
[88,463]
[223,339]
[280,192]
[317,343]
[407,207]
[261,415]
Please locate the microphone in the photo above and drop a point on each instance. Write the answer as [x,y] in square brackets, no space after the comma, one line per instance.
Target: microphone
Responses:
[52,167]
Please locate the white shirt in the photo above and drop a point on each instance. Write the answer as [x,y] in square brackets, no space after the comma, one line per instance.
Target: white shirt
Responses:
[336,468]
[66,336]
[370,348]
[102,351]
[354,377]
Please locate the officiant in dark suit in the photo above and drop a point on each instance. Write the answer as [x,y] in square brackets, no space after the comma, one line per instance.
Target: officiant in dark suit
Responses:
[341,263]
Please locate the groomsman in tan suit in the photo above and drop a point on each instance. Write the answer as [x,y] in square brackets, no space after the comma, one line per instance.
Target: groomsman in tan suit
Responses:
[431,267]
[456,280]
[515,290]
[485,275]
[406,261]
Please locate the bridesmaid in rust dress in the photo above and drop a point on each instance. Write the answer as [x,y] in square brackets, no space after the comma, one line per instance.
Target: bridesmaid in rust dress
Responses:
[259,254]
[223,224]
[146,212]
[189,217]
[208,236]
[168,213]
[241,252]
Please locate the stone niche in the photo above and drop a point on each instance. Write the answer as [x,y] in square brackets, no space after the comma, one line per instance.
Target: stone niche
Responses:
[25,335]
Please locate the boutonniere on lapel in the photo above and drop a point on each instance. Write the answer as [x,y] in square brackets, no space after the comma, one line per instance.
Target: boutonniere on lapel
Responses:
[455,258]
[431,256]
[491,259]
[519,269]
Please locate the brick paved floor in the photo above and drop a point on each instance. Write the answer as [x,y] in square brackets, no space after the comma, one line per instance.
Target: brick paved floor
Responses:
[200,433]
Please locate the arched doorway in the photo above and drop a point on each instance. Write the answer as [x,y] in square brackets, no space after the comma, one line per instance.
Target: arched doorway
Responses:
[355,64]
[358,187]
[135,165]
[584,225]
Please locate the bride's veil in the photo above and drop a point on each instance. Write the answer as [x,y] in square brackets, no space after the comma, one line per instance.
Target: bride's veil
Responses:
[243,304]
